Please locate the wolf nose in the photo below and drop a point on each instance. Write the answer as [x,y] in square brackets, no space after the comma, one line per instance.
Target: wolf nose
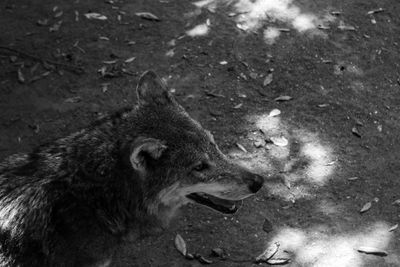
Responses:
[255,183]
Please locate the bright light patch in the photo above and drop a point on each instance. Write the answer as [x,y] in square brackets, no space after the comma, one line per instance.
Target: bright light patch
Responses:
[320,167]
[270,34]
[304,22]
[199,30]
[313,247]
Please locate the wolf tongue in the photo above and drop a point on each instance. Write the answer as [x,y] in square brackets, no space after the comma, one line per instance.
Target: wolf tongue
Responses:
[221,205]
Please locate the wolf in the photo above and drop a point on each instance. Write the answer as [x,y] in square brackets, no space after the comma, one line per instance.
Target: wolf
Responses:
[71,202]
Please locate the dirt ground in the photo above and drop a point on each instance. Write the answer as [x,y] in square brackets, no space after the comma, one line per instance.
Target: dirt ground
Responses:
[227,62]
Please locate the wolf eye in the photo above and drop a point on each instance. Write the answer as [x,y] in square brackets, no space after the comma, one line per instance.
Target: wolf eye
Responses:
[200,167]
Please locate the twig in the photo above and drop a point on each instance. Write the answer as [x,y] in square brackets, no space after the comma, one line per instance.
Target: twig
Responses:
[73,68]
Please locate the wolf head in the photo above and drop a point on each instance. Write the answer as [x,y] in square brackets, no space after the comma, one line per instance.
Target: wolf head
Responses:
[178,161]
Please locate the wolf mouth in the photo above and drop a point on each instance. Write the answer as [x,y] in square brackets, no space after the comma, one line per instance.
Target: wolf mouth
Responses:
[216,203]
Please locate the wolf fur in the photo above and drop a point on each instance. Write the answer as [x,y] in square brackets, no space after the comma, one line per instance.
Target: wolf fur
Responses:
[71,202]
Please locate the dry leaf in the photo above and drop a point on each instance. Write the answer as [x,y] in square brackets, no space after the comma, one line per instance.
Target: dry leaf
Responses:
[241,147]
[56,26]
[268,79]
[346,28]
[223,62]
[375,11]
[366,207]
[203,260]
[147,15]
[95,16]
[396,202]
[217,252]
[372,250]
[238,106]
[323,105]
[280,261]
[352,178]
[129,60]
[180,244]
[21,77]
[268,253]
[74,99]
[355,131]
[42,22]
[283,98]
[274,112]
[110,62]
[279,141]
[394,227]
[58,14]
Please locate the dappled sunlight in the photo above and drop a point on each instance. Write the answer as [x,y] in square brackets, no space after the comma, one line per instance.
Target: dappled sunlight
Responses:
[316,247]
[271,34]
[252,15]
[199,30]
[299,167]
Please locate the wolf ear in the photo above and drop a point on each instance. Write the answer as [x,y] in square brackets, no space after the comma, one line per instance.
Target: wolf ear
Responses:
[144,148]
[152,90]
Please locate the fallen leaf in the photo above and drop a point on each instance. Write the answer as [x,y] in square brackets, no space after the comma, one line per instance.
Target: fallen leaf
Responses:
[323,105]
[217,252]
[180,244]
[323,27]
[366,207]
[56,26]
[372,250]
[274,112]
[355,131]
[42,22]
[268,79]
[76,15]
[129,60]
[104,38]
[396,202]
[238,106]
[110,62]
[21,77]
[352,178]
[346,28]
[253,75]
[94,15]
[189,256]
[223,62]
[58,14]
[394,227]
[241,147]
[280,261]
[268,253]
[147,15]
[283,98]
[202,260]
[375,11]
[279,141]
[170,53]
[74,99]
[104,87]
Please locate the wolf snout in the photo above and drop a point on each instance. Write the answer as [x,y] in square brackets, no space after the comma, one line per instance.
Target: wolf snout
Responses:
[254,182]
